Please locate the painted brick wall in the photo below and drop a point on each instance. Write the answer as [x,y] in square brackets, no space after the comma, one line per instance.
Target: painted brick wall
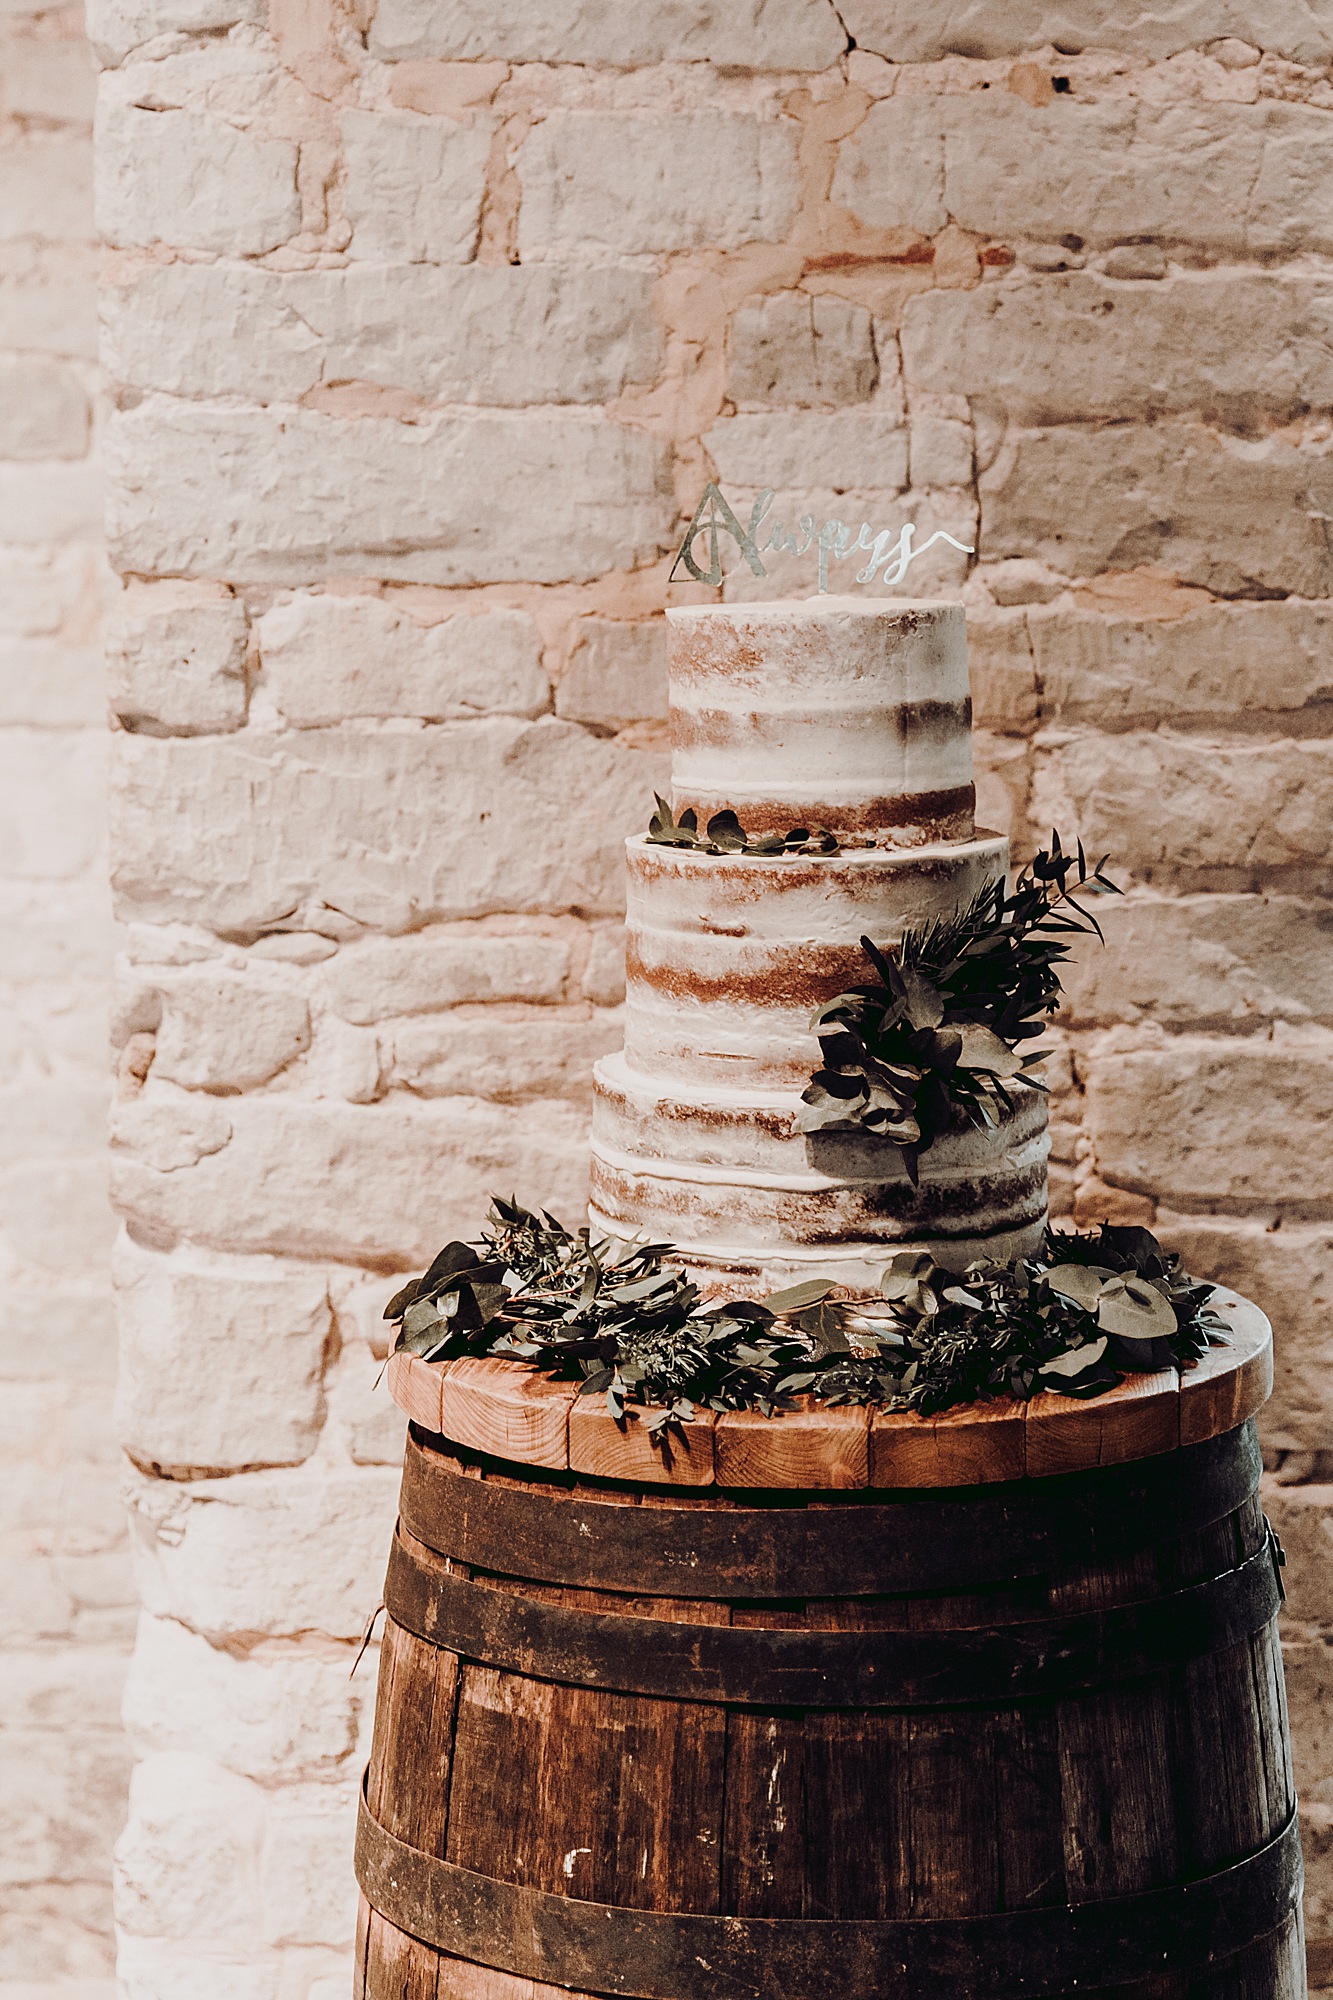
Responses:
[424,326]
[67,1597]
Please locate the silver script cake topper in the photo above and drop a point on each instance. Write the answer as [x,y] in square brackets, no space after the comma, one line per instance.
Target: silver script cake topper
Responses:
[714,516]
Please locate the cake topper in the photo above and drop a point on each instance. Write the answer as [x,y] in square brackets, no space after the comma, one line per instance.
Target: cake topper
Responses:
[714,516]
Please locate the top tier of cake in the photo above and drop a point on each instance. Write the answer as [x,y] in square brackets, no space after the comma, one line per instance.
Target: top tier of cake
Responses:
[824,713]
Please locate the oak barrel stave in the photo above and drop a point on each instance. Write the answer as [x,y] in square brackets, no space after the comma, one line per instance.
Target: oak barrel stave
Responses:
[652,1803]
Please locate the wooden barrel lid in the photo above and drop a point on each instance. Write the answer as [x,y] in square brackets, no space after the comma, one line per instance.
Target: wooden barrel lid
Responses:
[508,1410]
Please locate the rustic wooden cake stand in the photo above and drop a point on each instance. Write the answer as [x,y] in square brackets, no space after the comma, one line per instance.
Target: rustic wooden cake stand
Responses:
[837,1705]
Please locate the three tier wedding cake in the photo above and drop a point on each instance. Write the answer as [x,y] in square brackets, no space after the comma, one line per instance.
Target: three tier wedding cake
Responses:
[851,716]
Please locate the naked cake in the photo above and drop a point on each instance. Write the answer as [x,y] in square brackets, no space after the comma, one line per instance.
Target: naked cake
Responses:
[853,716]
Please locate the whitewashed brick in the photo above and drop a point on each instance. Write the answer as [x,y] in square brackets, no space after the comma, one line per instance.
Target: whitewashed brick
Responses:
[1075,344]
[35,1604]
[153,1968]
[115,27]
[48,301]
[1002,672]
[1302,1518]
[177,665]
[504,1052]
[189,179]
[421,974]
[757,34]
[52,802]
[48,183]
[629,181]
[1210,816]
[328,658]
[369,1183]
[865,449]
[1216,1123]
[276,1714]
[50,686]
[309,1892]
[54,1216]
[242,494]
[394,830]
[941,452]
[61,1793]
[1135,260]
[904,32]
[59,500]
[188,1862]
[220,1360]
[1219,660]
[414,185]
[42,1119]
[1245,178]
[512,334]
[361,1410]
[618,674]
[1289,1273]
[53,81]
[604,970]
[890,173]
[43,409]
[795,349]
[224,1033]
[45,590]
[167,1130]
[1224,512]
[233,1558]
[1204,962]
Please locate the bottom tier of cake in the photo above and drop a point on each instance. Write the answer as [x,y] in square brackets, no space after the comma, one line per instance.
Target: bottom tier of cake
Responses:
[727,1178]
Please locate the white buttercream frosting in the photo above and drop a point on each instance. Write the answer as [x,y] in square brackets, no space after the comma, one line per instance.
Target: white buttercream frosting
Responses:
[859,708]
[840,709]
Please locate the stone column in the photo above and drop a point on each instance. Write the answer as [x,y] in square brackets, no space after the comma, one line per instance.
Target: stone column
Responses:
[67,1599]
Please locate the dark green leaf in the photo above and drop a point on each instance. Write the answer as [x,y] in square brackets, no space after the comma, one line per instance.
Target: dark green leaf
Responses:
[796,1296]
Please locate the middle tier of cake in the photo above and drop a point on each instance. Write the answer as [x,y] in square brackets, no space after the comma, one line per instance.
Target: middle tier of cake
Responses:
[694,1126]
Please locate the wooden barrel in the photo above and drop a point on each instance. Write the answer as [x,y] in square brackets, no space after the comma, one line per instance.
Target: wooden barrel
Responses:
[698,1742]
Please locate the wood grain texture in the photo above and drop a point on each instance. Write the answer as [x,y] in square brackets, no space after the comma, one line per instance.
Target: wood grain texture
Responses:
[676,1805]
[611,1449]
[814,1446]
[1229,1383]
[1138,1419]
[416,1387]
[506,1408]
[973,1446]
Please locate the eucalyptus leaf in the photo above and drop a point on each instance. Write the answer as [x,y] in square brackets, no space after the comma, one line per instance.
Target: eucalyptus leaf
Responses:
[419,1317]
[726,833]
[1132,1309]
[401,1300]
[796,1296]
[1076,1360]
[824,1326]
[1080,1282]
[820,1109]
[425,1342]
[983,1049]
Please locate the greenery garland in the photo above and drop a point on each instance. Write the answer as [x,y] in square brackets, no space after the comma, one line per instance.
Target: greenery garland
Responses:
[937,1034]
[1074,1319]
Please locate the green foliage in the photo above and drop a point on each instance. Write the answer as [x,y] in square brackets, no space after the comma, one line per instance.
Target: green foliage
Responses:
[726,835]
[630,1325]
[937,1035]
